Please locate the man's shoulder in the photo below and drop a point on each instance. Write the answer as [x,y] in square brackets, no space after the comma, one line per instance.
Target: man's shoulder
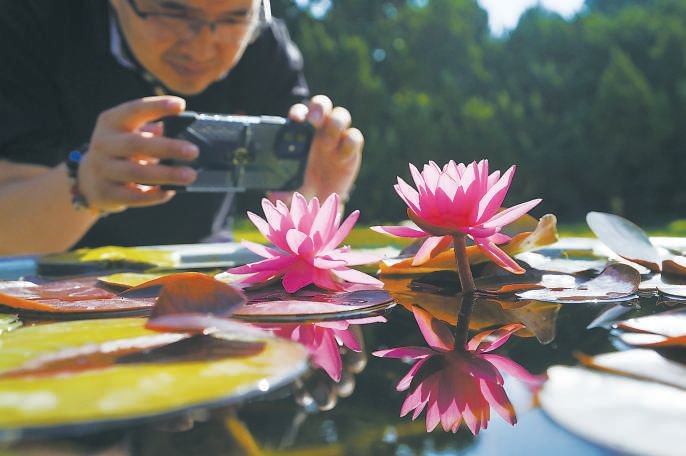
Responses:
[275,41]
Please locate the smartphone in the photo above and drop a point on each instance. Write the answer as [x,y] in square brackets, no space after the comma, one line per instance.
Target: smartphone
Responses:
[239,153]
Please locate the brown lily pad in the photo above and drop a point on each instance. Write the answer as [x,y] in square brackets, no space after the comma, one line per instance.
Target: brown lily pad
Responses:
[544,234]
[617,282]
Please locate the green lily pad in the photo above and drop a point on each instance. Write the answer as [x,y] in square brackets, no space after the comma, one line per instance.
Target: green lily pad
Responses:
[103,258]
[91,399]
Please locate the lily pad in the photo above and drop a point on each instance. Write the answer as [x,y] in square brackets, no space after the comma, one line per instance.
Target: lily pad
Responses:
[102,258]
[616,283]
[86,297]
[126,392]
[624,238]
[670,324]
[276,305]
[539,318]
[560,265]
[640,363]
[73,297]
[621,413]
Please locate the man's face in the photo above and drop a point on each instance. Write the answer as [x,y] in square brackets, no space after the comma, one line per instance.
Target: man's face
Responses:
[187,44]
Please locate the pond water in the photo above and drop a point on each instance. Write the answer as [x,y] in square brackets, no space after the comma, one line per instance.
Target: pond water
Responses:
[360,414]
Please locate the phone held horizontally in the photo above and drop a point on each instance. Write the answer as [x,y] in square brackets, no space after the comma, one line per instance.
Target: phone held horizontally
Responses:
[239,153]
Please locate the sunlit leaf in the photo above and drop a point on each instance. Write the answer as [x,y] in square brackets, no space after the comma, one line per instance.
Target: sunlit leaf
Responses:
[129,390]
[125,280]
[616,282]
[544,234]
[625,239]
[190,292]
[675,266]
[621,413]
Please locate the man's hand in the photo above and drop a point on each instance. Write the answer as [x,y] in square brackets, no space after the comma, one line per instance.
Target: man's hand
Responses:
[121,168]
[336,150]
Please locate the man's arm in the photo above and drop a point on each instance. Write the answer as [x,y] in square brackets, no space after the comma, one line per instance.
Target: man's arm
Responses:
[37,213]
[120,170]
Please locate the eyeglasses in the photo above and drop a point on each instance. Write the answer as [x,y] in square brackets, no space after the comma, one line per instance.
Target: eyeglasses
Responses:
[183,26]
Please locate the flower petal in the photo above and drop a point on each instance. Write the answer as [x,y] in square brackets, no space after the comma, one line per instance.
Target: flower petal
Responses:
[511,214]
[501,258]
[436,333]
[404,352]
[516,370]
[355,276]
[342,231]
[494,197]
[431,246]
[487,341]
[400,231]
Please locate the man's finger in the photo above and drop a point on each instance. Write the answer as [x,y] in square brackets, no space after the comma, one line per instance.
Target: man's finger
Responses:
[319,109]
[134,114]
[351,143]
[132,144]
[128,171]
[298,112]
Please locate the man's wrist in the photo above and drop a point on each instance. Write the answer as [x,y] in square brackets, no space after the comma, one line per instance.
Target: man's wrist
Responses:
[78,199]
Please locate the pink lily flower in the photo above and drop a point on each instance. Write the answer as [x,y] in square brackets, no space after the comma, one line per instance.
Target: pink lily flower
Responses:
[458,199]
[306,239]
[322,340]
[458,386]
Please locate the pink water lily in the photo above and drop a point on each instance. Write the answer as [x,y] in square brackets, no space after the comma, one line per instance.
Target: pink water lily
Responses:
[322,340]
[458,199]
[457,386]
[306,239]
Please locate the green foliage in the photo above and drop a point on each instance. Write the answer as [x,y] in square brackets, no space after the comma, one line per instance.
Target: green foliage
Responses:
[591,109]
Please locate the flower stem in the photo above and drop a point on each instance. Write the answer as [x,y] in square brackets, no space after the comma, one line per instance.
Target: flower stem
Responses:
[463,317]
[468,289]
[463,268]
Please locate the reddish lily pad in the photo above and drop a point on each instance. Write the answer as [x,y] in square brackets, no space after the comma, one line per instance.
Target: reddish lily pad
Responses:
[627,415]
[195,291]
[616,283]
[625,239]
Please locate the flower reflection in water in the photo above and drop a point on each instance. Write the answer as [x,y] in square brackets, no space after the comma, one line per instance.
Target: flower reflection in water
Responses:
[457,385]
[322,340]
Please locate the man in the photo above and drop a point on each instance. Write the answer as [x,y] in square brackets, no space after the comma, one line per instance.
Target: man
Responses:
[87,72]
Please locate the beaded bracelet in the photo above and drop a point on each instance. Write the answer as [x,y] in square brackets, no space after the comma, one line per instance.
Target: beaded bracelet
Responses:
[78,199]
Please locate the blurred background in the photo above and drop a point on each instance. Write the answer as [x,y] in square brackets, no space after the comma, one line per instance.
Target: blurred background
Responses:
[587,98]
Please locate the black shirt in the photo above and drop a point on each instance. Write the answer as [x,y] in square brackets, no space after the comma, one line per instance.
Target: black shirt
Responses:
[57,74]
